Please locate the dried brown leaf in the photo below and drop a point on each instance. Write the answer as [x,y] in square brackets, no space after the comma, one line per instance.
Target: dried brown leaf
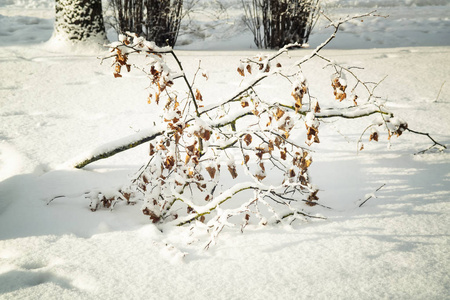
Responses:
[232,170]
[169,162]
[249,69]
[279,114]
[317,108]
[261,165]
[291,173]
[259,154]
[283,154]
[248,139]
[271,146]
[260,177]
[152,149]
[312,197]
[198,95]
[211,171]
[278,142]
[355,97]
[241,72]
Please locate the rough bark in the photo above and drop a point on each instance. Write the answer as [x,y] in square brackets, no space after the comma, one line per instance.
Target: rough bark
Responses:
[283,21]
[79,20]
[155,20]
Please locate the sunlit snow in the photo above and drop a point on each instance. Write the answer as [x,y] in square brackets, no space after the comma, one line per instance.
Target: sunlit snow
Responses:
[58,105]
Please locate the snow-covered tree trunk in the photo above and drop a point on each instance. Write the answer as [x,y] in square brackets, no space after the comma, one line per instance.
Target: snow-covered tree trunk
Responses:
[79,20]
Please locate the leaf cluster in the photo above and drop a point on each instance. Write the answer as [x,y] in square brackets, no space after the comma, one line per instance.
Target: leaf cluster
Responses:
[238,161]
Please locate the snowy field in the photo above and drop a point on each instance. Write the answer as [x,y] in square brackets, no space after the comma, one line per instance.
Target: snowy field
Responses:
[56,104]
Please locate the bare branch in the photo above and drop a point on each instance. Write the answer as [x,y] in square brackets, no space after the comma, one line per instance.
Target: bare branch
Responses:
[435,143]
[371,196]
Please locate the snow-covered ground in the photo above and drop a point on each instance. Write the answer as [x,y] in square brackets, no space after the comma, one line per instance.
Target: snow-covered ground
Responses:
[55,105]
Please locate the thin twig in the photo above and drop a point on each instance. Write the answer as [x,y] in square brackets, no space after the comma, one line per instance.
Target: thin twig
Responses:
[371,196]
[440,90]
[428,135]
[54,198]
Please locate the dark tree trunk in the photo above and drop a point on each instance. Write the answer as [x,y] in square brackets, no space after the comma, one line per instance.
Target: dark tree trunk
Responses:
[283,21]
[156,20]
[79,20]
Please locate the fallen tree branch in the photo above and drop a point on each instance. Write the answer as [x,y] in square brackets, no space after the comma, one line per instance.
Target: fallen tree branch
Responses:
[195,150]
[115,147]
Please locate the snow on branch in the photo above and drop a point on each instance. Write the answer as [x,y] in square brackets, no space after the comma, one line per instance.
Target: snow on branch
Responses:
[115,147]
[197,153]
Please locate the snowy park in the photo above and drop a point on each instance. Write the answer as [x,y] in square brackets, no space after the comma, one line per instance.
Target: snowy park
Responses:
[378,229]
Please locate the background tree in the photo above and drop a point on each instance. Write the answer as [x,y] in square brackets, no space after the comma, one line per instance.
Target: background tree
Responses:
[79,20]
[155,20]
[276,23]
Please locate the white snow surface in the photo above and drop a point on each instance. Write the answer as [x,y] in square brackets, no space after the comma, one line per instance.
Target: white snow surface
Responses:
[56,104]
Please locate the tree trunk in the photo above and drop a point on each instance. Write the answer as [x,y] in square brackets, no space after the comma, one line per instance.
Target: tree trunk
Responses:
[79,20]
[163,21]
[283,21]
[155,20]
